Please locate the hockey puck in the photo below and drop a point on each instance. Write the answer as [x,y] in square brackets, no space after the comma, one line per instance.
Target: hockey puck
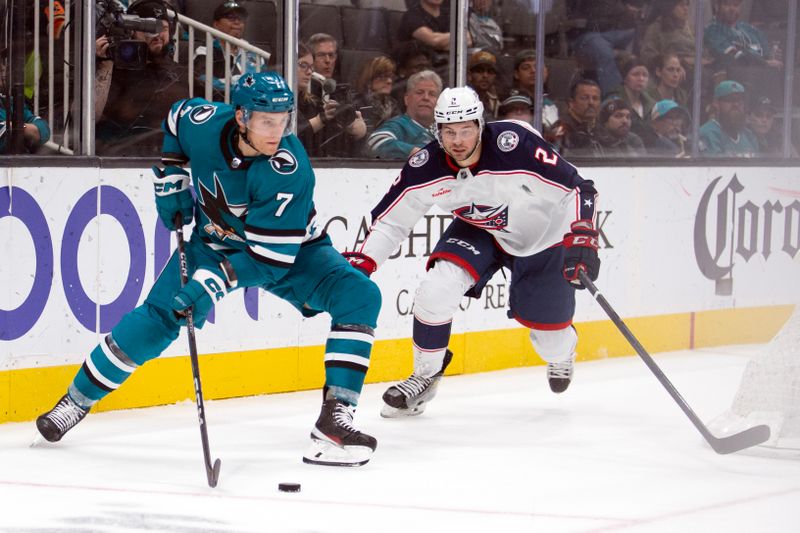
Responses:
[289,487]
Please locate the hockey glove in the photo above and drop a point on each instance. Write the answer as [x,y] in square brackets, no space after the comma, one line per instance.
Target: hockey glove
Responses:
[207,287]
[173,195]
[363,263]
[580,252]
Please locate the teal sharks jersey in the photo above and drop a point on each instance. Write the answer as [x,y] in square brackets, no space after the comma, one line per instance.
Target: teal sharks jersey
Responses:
[257,211]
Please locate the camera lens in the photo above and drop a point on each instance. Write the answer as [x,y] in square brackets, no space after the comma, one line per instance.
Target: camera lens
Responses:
[345,115]
[127,52]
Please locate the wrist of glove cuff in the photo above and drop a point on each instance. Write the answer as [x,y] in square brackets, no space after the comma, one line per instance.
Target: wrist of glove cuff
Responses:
[170,180]
[361,262]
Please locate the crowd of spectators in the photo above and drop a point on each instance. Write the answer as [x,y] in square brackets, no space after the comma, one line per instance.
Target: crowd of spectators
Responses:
[623,84]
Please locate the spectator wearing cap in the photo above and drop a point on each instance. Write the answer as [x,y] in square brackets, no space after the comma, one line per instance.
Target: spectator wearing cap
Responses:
[580,120]
[230,18]
[635,77]
[610,26]
[664,135]
[517,105]
[525,81]
[614,136]
[400,137]
[727,135]
[761,121]
[131,103]
[485,31]
[481,76]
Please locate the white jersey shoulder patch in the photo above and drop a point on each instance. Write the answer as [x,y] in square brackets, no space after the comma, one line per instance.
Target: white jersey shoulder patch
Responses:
[419,159]
[507,141]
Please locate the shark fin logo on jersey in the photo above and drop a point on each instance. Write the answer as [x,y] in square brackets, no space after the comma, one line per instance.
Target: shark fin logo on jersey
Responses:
[283,162]
[419,159]
[223,218]
[507,141]
[484,216]
[201,114]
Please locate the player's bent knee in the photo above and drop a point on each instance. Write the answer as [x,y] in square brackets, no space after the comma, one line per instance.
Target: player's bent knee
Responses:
[144,333]
[554,345]
[359,301]
[440,292]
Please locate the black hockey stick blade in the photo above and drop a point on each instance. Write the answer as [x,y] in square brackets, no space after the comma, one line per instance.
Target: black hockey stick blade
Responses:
[722,445]
[213,473]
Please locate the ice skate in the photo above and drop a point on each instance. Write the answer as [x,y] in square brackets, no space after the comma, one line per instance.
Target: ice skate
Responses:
[410,397]
[60,419]
[334,440]
[559,375]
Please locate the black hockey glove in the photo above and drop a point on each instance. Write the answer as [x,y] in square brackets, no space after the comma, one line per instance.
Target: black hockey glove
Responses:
[207,287]
[580,252]
[173,195]
[363,263]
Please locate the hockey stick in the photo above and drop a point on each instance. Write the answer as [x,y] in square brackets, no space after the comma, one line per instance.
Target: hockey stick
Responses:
[212,472]
[722,445]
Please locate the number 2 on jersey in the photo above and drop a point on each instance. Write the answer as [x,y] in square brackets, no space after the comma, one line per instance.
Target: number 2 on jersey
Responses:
[543,156]
[284,197]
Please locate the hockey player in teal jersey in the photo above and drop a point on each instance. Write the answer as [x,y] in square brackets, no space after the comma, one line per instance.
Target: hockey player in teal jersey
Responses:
[255,226]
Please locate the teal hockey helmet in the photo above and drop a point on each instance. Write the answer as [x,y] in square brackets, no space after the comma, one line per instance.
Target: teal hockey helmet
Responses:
[263,91]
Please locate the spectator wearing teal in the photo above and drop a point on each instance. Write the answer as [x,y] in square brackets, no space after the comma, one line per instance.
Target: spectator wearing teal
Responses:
[733,42]
[36,131]
[664,134]
[726,135]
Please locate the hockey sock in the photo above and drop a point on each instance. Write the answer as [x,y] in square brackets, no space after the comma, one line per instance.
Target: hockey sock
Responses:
[347,354]
[430,343]
[141,335]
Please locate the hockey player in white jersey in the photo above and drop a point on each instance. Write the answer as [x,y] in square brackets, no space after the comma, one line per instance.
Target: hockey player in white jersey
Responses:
[517,204]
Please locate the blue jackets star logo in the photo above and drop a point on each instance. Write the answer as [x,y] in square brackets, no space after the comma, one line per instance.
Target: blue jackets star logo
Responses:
[484,216]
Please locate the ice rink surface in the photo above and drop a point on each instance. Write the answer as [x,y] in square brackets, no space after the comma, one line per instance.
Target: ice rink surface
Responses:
[495,452]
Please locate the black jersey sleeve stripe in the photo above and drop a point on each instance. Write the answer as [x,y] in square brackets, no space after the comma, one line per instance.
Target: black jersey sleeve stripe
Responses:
[267,260]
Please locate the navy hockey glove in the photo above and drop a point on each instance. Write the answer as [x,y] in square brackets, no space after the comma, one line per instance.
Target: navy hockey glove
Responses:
[173,195]
[363,263]
[580,252]
[207,287]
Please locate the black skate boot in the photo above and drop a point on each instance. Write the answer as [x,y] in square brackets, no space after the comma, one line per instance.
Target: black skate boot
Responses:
[60,419]
[334,440]
[410,397]
[559,375]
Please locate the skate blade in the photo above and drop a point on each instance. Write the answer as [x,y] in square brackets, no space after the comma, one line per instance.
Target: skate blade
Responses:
[326,453]
[387,411]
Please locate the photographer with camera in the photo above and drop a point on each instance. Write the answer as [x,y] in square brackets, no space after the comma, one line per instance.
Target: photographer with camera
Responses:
[136,79]
[343,127]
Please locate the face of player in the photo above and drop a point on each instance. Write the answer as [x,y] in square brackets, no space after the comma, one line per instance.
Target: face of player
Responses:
[636,79]
[482,77]
[671,72]
[264,131]
[460,140]
[586,103]
[325,56]
[619,123]
[305,66]
[421,100]
[155,41]
[232,23]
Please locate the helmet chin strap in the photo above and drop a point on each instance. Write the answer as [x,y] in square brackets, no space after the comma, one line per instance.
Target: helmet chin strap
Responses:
[243,136]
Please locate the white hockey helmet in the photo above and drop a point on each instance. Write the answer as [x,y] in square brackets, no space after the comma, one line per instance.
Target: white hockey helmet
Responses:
[458,104]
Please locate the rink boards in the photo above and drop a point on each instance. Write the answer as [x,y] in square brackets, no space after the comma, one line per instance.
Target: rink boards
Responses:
[691,257]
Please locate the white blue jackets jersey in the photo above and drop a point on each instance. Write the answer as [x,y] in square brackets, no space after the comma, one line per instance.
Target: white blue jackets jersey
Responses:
[520,191]
[257,211]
